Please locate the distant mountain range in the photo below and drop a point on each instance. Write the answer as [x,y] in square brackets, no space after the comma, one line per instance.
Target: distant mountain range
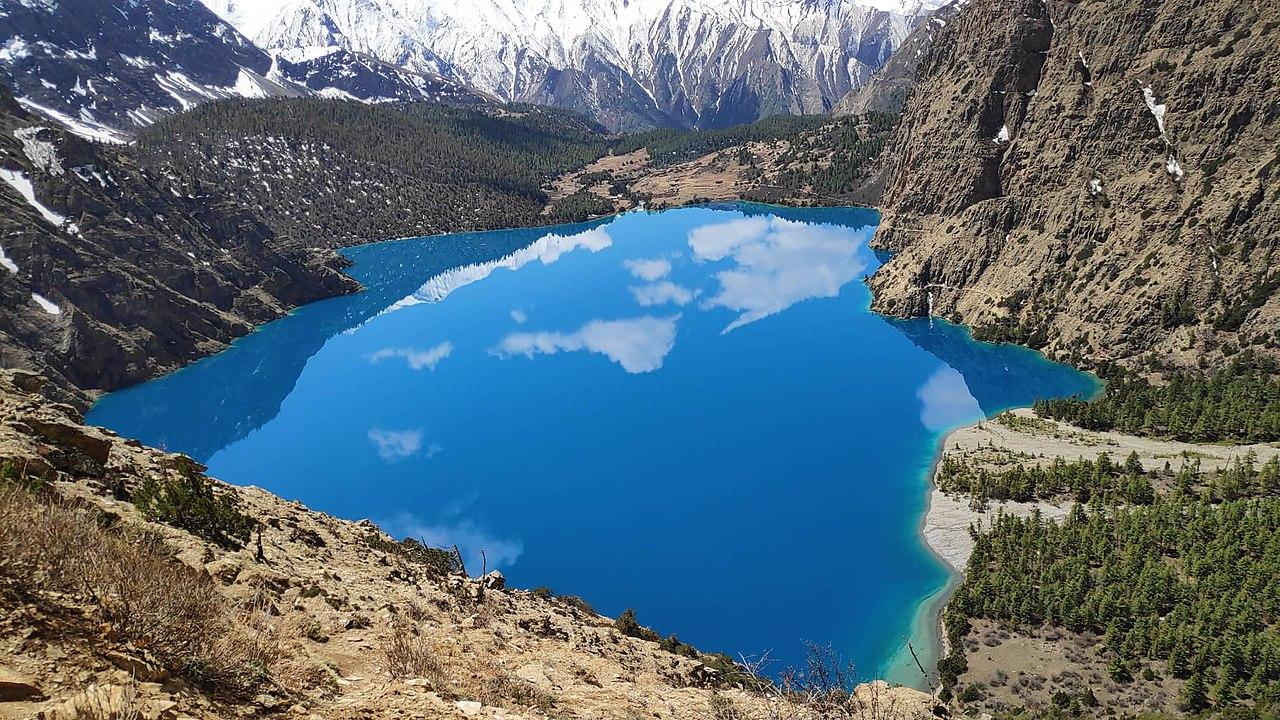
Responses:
[109,67]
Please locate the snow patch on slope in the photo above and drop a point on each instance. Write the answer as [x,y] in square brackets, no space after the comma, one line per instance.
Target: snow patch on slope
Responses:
[43,154]
[7,263]
[46,304]
[87,129]
[18,180]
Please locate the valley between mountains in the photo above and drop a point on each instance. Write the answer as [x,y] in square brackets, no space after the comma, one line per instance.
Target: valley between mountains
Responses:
[1093,179]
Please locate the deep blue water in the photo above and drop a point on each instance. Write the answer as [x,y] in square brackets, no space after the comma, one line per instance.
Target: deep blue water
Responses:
[692,413]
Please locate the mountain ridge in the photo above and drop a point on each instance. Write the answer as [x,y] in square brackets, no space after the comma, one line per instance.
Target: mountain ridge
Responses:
[106,71]
[629,65]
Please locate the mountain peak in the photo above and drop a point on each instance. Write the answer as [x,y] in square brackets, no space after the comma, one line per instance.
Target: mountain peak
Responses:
[629,64]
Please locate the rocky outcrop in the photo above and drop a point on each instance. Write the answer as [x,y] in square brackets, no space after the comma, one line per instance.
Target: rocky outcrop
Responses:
[1093,178]
[108,280]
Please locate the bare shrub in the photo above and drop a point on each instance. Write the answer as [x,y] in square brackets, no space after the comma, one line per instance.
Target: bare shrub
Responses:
[406,653]
[724,708]
[254,639]
[309,676]
[824,689]
[506,690]
[147,599]
[415,612]
[155,603]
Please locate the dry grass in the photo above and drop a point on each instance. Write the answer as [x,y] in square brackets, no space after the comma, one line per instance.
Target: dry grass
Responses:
[407,653]
[819,691]
[163,608]
[509,691]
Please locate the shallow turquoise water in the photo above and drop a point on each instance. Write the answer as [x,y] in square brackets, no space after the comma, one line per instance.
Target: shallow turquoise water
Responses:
[692,413]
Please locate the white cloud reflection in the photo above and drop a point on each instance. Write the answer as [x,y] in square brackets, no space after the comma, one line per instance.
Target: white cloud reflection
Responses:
[662,293]
[415,358]
[650,270]
[946,402]
[639,345]
[470,538]
[778,263]
[393,445]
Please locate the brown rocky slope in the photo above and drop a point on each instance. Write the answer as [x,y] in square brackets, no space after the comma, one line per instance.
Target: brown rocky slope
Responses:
[1093,178]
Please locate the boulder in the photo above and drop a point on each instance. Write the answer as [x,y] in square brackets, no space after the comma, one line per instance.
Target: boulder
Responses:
[27,381]
[495,580]
[16,688]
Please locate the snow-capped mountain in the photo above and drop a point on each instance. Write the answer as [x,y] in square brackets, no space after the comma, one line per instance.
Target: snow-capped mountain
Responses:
[626,63]
[106,67]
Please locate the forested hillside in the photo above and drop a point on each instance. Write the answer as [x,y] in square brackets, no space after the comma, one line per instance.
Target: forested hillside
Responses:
[1240,402]
[1183,587]
[787,160]
[324,172]
[672,147]
[107,278]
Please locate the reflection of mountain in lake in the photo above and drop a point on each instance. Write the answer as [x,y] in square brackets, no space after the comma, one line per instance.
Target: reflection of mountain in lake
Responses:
[995,382]
[238,402]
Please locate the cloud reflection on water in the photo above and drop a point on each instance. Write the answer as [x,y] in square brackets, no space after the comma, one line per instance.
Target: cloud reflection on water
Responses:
[479,547]
[393,445]
[639,345]
[946,402]
[652,269]
[778,263]
[415,358]
[662,293]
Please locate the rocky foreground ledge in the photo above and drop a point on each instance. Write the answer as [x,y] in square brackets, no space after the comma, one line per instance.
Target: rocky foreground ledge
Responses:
[258,606]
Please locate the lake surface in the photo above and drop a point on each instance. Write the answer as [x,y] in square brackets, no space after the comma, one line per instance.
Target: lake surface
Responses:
[692,413]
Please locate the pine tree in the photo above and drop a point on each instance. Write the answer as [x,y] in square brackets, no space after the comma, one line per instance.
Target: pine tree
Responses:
[1195,695]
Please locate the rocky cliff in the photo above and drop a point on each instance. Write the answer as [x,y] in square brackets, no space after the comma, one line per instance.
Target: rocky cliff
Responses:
[108,279]
[1092,178]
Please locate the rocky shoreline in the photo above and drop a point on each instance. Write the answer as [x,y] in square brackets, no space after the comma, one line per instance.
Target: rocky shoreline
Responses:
[944,531]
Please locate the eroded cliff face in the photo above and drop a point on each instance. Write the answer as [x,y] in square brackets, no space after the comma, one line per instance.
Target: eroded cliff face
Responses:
[106,279]
[1092,177]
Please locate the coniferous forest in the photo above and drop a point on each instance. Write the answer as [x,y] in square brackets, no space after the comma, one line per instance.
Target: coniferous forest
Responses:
[1183,586]
[1085,480]
[1239,403]
[330,172]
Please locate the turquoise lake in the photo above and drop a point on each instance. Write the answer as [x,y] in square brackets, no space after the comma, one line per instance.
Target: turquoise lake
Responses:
[693,413]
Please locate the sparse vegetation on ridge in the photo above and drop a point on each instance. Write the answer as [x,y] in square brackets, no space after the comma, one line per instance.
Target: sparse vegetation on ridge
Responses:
[52,547]
[187,499]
